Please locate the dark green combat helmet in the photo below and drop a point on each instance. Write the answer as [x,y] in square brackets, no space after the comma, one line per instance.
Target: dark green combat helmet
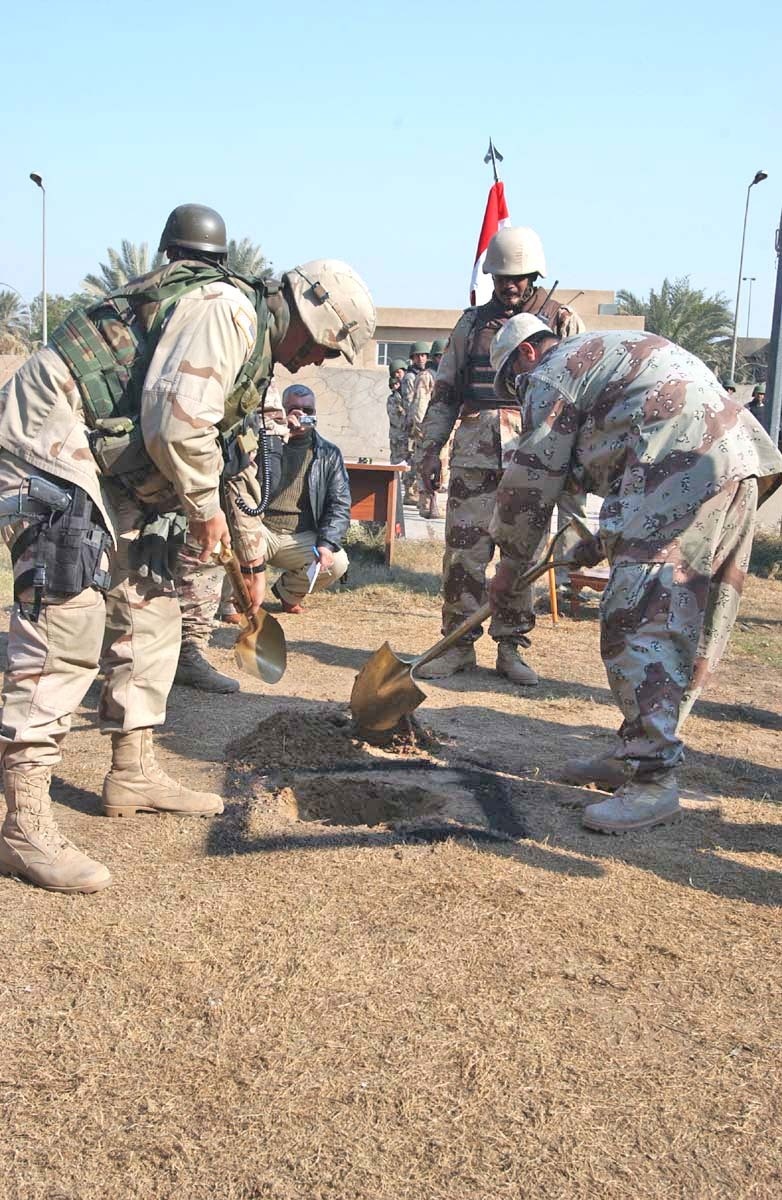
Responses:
[397,364]
[438,346]
[420,348]
[195,227]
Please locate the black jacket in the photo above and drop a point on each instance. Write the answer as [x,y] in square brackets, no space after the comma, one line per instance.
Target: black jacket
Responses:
[329,489]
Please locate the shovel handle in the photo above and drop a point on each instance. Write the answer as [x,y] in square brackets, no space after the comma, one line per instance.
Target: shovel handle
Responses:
[479,616]
[226,557]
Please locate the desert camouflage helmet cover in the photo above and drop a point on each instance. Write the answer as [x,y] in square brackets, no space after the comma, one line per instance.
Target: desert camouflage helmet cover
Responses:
[334,303]
[515,250]
[513,333]
[194,227]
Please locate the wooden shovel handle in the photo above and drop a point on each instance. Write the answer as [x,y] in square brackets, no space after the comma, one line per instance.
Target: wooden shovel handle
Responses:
[226,557]
[545,564]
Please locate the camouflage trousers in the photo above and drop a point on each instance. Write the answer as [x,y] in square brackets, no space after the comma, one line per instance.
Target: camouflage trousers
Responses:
[133,632]
[199,587]
[665,626]
[469,549]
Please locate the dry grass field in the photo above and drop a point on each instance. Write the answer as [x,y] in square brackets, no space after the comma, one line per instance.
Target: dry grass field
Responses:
[321,995]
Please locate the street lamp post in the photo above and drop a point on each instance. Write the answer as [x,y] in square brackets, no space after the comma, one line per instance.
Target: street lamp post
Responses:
[759,177]
[38,181]
[750,279]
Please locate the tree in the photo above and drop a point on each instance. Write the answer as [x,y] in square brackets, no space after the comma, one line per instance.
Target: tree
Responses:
[14,323]
[57,309]
[132,261]
[701,324]
[247,258]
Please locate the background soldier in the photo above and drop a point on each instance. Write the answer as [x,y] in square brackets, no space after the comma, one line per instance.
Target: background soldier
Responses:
[419,354]
[398,438]
[486,436]
[423,390]
[757,404]
[646,425]
[134,411]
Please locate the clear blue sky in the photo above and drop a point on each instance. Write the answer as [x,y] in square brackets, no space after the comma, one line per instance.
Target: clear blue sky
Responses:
[630,134]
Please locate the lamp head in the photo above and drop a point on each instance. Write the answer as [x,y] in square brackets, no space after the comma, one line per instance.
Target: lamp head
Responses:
[37,179]
[759,177]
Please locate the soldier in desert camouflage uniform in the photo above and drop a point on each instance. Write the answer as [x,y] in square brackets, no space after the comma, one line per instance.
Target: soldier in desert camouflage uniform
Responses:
[422,395]
[639,421]
[486,435]
[203,587]
[195,328]
[398,435]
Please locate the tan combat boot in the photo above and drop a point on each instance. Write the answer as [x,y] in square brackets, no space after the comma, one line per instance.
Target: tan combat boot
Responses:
[458,658]
[136,783]
[604,771]
[512,665]
[31,844]
[194,671]
[637,805]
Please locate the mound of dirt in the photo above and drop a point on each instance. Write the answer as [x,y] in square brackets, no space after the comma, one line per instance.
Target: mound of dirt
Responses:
[323,737]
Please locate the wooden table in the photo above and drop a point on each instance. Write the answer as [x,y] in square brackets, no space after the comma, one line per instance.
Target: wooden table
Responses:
[373,493]
[592,577]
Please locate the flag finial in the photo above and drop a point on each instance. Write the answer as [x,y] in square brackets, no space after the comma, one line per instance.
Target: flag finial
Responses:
[493,156]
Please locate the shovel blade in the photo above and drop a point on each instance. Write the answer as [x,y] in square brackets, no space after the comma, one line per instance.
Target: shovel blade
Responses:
[384,691]
[260,649]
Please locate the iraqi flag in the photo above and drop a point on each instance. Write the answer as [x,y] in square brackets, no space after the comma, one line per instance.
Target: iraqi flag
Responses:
[494,218]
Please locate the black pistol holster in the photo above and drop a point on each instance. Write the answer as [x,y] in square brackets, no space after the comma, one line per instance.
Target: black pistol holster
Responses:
[69,546]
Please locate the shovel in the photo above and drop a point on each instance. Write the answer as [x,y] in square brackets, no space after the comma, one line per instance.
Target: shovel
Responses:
[260,648]
[385,690]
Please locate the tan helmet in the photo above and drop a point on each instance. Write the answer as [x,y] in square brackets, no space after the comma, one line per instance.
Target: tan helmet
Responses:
[334,303]
[513,333]
[515,250]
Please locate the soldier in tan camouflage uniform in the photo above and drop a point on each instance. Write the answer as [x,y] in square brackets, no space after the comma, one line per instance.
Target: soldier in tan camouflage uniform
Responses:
[422,395]
[639,421]
[200,335]
[201,587]
[486,436]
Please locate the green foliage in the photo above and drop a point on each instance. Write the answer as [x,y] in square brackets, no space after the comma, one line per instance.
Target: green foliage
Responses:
[57,308]
[129,263]
[701,324]
[247,258]
[766,557]
[14,323]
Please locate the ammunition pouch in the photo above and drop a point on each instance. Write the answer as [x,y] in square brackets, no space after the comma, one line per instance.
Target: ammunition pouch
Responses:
[118,448]
[69,547]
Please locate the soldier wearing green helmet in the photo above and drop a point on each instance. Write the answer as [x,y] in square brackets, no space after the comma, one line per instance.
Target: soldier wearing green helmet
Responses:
[757,405]
[423,389]
[398,439]
[419,355]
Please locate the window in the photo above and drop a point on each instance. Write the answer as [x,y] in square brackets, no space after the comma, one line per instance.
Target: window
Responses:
[388,350]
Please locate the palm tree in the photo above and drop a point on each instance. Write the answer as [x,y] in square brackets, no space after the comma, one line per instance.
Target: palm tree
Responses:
[14,323]
[247,259]
[131,262]
[701,324]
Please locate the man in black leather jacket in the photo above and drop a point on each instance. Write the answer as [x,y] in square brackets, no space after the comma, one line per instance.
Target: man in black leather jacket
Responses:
[309,514]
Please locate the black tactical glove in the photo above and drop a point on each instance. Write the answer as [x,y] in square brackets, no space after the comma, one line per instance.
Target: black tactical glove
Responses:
[154,553]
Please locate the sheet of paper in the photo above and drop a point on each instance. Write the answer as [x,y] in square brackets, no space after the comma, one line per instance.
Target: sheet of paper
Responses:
[313,570]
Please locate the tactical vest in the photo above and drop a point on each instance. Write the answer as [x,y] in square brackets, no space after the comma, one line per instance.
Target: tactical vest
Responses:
[108,346]
[477,391]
